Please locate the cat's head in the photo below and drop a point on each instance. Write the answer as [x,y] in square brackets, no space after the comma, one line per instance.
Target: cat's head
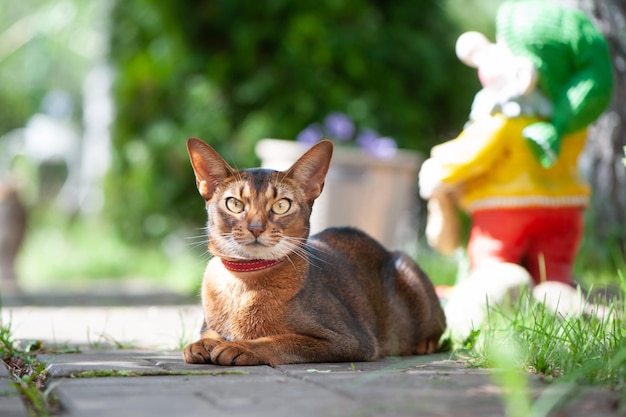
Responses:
[258,213]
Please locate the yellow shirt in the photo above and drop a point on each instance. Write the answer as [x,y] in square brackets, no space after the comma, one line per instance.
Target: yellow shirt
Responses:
[494,167]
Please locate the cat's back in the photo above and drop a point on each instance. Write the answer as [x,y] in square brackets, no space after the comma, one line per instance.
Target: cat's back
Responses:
[384,294]
[349,246]
[345,256]
[354,264]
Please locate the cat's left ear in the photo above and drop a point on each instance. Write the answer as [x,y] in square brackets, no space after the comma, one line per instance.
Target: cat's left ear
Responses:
[310,170]
[208,166]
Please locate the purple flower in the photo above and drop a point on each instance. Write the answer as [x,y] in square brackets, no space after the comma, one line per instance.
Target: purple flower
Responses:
[382,148]
[313,133]
[366,136]
[339,126]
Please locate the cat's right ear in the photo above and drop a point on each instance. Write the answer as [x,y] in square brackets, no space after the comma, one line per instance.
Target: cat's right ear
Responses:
[208,166]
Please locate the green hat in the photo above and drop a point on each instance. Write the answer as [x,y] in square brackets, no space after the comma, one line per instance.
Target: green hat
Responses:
[573,62]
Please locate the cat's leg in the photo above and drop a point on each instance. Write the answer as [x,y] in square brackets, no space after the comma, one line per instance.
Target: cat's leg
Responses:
[288,348]
[212,348]
[200,351]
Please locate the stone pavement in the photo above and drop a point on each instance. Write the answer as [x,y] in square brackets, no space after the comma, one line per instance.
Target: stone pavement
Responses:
[148,377]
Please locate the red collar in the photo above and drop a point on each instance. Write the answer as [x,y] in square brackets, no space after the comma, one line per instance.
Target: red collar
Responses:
[249,266]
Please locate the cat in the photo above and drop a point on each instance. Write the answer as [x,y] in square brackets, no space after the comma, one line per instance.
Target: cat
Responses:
[273,295]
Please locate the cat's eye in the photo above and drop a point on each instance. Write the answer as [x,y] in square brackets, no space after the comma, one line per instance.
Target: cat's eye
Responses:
[234,205]
[282,206]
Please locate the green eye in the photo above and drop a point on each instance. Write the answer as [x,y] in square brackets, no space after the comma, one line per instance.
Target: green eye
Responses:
[282,206]
[234,205]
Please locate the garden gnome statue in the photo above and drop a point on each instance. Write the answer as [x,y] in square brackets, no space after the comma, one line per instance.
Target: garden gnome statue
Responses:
[514,166]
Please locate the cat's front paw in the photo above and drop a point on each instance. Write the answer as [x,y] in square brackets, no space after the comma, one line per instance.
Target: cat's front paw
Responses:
[233,353]
[200,351]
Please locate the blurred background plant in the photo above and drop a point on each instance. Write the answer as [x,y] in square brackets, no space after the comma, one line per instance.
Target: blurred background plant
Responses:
[127,82]
[239,71]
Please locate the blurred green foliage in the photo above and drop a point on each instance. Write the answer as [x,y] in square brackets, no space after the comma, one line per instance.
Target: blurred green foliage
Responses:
[232,72]
[44,45]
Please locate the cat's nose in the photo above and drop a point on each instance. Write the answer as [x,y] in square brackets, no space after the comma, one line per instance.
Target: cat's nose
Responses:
[256,228]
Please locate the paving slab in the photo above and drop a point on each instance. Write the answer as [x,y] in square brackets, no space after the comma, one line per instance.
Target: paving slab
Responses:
[149,326]
[153,383]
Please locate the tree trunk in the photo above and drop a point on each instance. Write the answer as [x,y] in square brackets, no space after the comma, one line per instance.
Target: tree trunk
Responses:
[602,159]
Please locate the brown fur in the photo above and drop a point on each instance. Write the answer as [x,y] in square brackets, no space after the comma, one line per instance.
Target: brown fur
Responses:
[338,296]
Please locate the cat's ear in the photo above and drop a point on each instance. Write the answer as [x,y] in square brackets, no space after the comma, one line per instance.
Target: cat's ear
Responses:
[208,166]
[310,170]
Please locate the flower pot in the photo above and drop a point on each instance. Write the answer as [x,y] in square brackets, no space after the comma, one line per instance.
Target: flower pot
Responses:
[372,194]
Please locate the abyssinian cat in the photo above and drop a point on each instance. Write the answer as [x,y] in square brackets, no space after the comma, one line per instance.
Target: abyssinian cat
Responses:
[273,295]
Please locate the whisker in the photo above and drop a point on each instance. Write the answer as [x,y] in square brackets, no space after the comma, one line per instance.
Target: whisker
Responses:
[196,241]
[304,242]
[225,246]
[300,248]
[197,245]
[202,236]
[206,256]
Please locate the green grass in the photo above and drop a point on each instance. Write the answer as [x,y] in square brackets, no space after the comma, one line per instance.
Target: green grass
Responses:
[106,341]
[580,349]
[29,375]
[566,351]
[596,263]
[442,270]
[86,252]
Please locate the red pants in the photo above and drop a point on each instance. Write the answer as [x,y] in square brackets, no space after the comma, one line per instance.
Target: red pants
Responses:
[542,240]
